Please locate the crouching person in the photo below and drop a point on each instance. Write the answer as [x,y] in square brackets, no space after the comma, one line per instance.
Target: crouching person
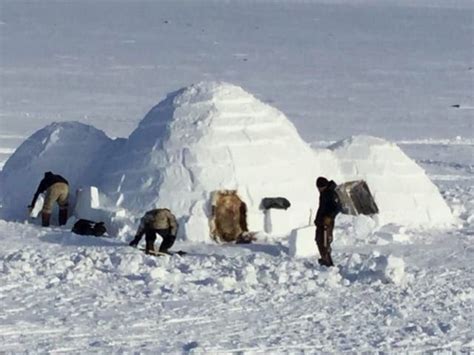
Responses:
[57,190]
[160,221]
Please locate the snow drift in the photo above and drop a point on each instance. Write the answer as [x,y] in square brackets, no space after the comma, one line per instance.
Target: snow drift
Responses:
[216,136]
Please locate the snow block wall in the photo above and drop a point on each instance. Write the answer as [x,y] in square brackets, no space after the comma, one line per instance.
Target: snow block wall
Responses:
[402,190]
[66,148]
[208,137]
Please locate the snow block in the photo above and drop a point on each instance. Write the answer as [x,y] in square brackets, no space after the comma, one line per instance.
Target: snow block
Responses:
[301,243]
[87,203]
[196,229]
[277,222]
[37,207]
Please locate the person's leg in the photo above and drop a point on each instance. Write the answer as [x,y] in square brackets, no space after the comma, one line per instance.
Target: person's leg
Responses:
[49,200]
[63,197]
[329,235]
[168,240]
[150,237]
[320,242]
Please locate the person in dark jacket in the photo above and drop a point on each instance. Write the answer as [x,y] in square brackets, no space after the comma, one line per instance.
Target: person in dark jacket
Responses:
[57,190]
[327,211]
[160,221]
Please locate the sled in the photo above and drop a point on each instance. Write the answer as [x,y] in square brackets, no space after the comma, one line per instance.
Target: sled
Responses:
[355,198]
[159,253]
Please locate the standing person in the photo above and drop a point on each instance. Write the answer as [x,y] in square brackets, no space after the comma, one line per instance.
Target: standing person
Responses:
[160,221]
[57,190]
[327,211]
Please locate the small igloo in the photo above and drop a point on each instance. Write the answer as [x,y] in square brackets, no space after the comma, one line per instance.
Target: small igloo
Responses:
[403,192]
[210,137]
[67,148]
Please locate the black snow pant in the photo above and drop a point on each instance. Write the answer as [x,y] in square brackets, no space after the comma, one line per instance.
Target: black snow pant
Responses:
[150,238]
[323,241]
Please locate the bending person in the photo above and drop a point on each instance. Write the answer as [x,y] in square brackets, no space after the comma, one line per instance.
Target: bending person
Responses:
[57,190]
[160,221]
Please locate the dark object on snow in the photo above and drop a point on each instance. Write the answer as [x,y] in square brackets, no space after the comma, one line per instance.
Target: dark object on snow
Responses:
[456,106]
[356,198]
[246,238]
[86,227]
[275,202]
[163,253]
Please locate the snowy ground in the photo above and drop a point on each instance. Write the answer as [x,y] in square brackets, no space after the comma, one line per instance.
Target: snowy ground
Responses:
[388,69]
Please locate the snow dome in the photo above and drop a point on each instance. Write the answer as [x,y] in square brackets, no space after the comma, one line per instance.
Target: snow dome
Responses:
[403,192]
[66,148]
[210,137]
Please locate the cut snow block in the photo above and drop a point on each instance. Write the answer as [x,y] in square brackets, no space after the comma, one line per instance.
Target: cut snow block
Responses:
[277,222]
[87,203]
[301,243]
[196,229]
[37,207]
[255,221]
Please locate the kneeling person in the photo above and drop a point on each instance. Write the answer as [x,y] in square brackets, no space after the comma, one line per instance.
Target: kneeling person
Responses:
[160,221]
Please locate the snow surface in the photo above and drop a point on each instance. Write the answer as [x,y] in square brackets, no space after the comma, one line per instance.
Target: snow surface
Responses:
[399,70]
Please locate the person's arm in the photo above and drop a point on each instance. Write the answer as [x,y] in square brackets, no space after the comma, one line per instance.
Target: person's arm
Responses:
[40,189]
[139,234]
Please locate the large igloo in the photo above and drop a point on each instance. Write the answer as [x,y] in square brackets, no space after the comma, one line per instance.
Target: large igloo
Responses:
[70,149]
[209,137]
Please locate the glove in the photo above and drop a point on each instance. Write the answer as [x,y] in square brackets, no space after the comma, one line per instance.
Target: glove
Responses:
[133,243]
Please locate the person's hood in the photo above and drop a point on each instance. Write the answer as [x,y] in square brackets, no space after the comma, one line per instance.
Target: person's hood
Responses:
[332,185]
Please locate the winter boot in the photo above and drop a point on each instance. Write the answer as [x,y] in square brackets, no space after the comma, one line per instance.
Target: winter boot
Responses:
[62,216]
[45,219]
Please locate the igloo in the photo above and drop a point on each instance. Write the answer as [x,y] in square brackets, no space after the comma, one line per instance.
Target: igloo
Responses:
[403,192]
[210,137]
[68,148]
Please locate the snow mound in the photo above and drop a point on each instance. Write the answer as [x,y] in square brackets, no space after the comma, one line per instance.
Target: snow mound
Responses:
[214,136]
[402,190]
[66,148]
[376,267]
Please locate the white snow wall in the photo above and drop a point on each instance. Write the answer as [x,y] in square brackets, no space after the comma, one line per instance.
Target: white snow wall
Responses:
[208,137]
